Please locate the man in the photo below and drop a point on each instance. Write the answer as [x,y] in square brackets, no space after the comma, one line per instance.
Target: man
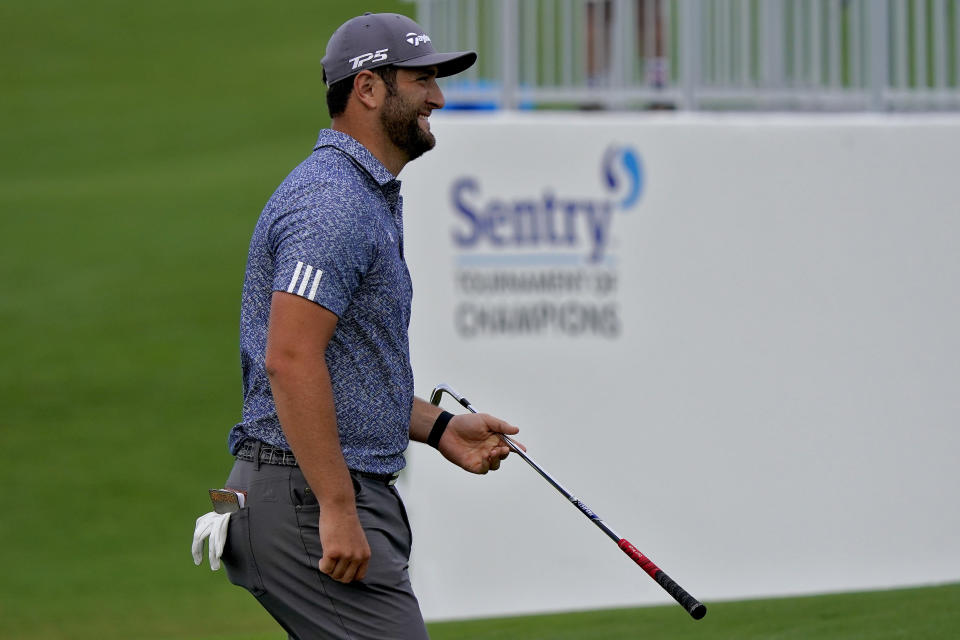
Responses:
[323,541]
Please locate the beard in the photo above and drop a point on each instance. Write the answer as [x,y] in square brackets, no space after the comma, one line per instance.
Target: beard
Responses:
[401,122]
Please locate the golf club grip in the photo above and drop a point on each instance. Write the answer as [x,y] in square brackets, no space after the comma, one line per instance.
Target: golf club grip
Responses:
[693,606]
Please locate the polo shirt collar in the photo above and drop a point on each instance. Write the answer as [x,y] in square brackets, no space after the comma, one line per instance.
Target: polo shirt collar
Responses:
[362,155]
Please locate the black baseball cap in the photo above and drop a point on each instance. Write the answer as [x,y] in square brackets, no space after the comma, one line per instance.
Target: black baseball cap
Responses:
[378,39]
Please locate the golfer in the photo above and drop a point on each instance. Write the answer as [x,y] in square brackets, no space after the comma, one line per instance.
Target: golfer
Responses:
[323,542]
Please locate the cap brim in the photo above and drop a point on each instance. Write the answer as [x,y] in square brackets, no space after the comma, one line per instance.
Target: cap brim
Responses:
[447,64]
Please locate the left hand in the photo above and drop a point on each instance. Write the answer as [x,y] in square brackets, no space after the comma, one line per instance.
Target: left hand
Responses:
[471,441]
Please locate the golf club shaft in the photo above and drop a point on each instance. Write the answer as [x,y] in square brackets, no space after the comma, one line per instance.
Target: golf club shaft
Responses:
[694,607]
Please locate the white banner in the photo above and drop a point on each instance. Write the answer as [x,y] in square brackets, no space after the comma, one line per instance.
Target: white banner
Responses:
[733,337]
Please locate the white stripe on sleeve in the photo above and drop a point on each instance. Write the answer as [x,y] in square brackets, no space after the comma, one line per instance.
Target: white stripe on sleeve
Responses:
[306,278]
[293,280]
[316,283]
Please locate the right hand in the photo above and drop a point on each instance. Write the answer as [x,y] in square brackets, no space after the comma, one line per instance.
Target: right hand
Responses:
[472,441]
[346,552]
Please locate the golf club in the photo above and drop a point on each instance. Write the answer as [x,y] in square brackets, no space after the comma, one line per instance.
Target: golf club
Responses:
[694,607]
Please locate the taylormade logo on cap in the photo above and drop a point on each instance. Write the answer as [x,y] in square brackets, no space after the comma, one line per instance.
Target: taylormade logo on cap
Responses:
[379,39]
[415,39]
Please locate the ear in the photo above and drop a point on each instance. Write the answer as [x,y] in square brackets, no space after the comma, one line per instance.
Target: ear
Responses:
[368,88]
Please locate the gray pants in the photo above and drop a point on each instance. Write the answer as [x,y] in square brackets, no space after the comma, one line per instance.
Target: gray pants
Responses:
[273,550]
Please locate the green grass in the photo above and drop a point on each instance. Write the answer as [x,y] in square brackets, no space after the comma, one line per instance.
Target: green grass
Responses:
[139,143]
[911,613]
[929,613]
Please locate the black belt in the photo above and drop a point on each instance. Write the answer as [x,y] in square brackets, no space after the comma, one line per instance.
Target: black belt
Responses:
[275,455]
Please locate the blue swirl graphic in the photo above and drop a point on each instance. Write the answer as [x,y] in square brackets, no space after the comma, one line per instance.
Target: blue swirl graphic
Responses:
[623,172]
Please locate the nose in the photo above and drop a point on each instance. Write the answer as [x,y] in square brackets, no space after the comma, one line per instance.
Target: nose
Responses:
[435,96]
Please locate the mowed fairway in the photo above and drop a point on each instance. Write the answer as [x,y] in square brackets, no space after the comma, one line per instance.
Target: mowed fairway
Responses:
[139,143]
[909,613]
[930,612]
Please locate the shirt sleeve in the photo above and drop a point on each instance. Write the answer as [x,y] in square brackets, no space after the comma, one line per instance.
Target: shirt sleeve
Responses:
[322,251]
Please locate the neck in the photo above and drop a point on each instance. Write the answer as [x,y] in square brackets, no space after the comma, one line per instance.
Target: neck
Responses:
[371,136]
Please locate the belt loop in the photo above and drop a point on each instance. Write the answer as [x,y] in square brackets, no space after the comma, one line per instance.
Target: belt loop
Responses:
[256,454]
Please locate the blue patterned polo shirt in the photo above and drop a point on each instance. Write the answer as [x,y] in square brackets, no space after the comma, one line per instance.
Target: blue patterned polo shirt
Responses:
[333,233]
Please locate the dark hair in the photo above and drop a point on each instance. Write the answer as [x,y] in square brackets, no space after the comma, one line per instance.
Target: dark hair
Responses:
[339,92]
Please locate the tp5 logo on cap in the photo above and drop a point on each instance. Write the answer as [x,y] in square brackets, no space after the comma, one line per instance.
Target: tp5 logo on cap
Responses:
[377,56]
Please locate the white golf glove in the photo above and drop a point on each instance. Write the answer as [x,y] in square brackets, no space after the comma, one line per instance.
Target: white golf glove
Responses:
[211,525]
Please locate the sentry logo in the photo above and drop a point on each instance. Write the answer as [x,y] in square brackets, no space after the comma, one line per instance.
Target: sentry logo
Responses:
[377,56]
[415,39]
[551,220]
[623,175]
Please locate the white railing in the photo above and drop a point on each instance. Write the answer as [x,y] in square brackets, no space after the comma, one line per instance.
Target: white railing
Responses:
[713,54]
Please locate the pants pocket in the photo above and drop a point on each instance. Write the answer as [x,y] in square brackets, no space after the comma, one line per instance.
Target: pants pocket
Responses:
[237,558]
[308,523]
[406,519]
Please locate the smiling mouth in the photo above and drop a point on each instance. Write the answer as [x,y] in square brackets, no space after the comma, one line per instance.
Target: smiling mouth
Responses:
[424,121]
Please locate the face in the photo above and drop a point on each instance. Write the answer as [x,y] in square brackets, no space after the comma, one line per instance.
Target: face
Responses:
[406,111]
